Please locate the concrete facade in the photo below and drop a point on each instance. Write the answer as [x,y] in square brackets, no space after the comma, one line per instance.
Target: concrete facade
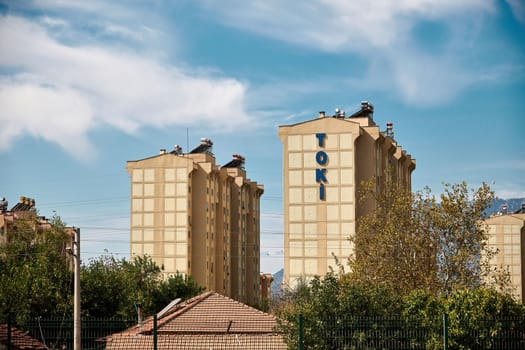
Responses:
[195,217]
[507,234]
[324,161]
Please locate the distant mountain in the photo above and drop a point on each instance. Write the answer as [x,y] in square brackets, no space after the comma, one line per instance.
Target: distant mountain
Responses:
[277,281]
[513,205]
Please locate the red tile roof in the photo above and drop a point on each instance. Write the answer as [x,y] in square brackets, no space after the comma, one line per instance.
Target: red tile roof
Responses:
[19,339]
[198,341]
[209,320]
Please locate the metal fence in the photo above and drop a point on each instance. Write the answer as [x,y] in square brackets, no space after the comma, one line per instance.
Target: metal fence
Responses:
[490,333]
[57,334]
[348,333]
[345,333]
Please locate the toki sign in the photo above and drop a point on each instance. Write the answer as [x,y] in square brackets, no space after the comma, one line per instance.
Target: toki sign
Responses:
[322,159]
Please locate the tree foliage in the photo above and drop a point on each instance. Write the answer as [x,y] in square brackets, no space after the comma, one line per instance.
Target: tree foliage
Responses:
[116,288]
[478,318]
[461,237]
[326,305]
[35,278]
[482,316]
[413,241]
[338,312]
[393,246]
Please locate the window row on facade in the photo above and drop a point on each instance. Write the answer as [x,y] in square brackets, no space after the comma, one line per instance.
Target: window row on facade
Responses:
[164,235]
[334,159]
[169,249]
[170,219]
[327,249]
[310,267]
[333,194]
[309,177]
[168,204]
[170,190]
[309,142]
[340,230]
[170,174]
[334,212]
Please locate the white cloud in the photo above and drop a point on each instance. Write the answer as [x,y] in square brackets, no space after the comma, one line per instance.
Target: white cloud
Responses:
[53,22]
[60,92]
[336,25]
[518,9]
[383,32]
[60,115]
[506,193]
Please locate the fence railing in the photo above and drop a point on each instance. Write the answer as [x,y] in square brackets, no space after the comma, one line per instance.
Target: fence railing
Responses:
[304,333]
[57,334]
[349,332]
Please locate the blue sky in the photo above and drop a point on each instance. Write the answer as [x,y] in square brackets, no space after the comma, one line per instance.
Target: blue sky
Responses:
[87,85]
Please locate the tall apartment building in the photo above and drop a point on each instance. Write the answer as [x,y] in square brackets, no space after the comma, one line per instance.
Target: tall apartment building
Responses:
[325,160]
[506,232]
[195,217]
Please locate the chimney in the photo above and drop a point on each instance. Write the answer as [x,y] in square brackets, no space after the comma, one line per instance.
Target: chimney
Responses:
[504,209]
[162,151]
[390,129]
[321,114]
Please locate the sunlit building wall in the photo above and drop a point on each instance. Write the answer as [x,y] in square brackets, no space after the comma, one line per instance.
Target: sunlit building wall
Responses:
[507,234]
[194,217]
[324,161]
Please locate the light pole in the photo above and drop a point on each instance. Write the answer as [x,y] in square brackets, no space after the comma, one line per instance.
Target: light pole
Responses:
[76,299]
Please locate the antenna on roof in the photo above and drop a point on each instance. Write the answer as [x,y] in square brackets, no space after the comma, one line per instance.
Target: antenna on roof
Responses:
[168,307]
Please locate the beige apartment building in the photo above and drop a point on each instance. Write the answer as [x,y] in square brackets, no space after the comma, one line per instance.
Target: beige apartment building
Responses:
[195,217]
[507,234]
[324,161]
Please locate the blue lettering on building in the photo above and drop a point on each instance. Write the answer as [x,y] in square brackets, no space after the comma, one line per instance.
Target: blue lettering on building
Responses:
[320,175]
[321,158]
[320,139]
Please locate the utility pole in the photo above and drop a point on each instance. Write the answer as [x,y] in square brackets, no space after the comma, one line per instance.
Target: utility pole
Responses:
[76,299]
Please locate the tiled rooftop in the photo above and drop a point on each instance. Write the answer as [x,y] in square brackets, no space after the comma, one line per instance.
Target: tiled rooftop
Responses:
[200,341]
[19,339]
[209,320]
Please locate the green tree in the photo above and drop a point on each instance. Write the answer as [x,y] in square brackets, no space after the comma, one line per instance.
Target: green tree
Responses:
[35,275]
[115,288]
[393,245]
[175,286]
[413,241]
[478,318]
[482,317]
[461,237]
[330,307]
[339,313]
